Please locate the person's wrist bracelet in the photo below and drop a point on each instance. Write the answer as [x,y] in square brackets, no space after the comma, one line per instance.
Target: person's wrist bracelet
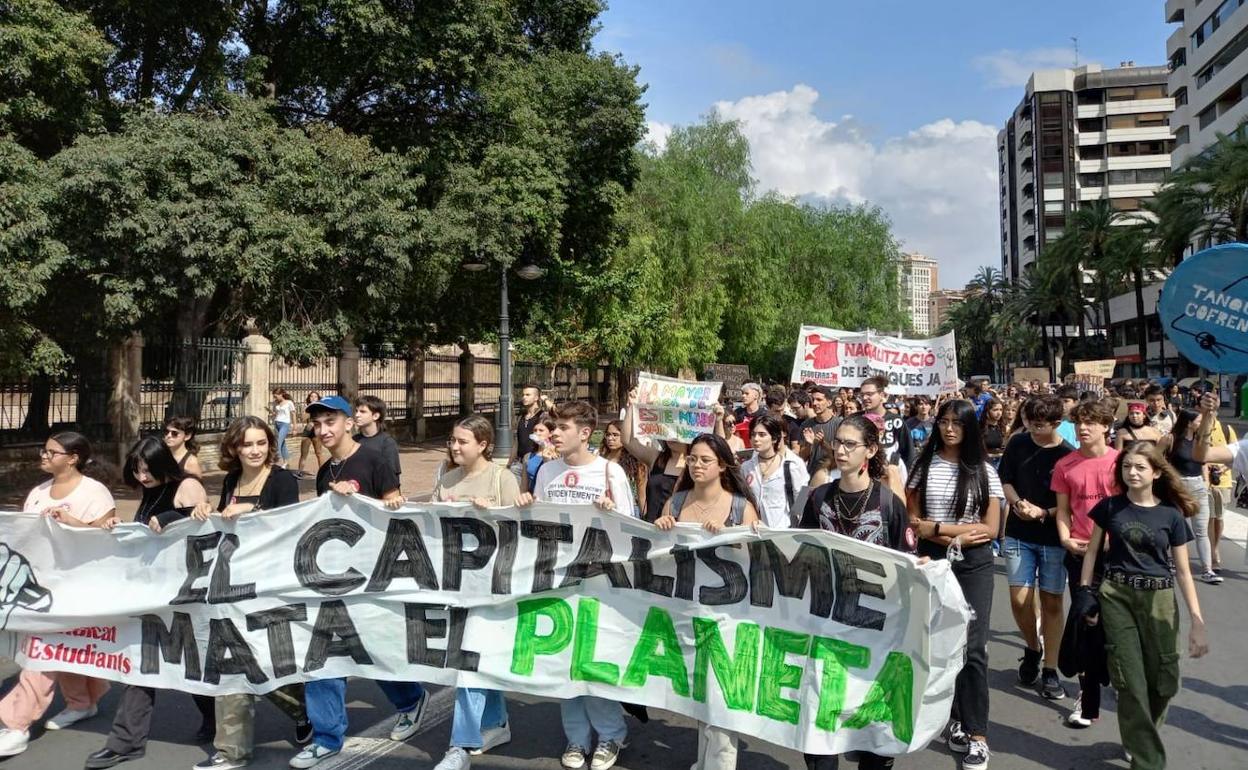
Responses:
[936,531]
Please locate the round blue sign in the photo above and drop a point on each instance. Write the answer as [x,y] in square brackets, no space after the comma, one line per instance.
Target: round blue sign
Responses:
[1204,308]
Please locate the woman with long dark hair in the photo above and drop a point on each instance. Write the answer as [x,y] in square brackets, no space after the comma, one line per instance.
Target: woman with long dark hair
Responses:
[1177,446]
[711,491]
[712,494]
[1137,603]
[994,428]
[953,496]
[859,504]
[614,450]
[283,410]
[253,482]
[169,495]
[180,438]
[75,500]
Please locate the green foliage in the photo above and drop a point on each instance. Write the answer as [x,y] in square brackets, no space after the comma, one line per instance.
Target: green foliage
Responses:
[51,59]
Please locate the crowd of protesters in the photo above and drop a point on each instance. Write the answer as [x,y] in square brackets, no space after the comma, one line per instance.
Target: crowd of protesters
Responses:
[1095,494]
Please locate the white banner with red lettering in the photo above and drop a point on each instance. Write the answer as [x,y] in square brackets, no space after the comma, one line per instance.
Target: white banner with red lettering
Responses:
[838,358]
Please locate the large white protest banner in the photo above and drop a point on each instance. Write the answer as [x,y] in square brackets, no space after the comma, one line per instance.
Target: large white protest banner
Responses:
[672,409]
[804,639]
[844,359]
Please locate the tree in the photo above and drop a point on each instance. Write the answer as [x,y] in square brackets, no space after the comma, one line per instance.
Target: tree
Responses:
[1217,180]
[1087,245]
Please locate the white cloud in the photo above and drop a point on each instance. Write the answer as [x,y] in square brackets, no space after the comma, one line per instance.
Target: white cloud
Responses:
[657,133]
[1010,68]
[938,183]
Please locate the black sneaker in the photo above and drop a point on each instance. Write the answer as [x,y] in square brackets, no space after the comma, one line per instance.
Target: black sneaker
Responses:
[976,756]
[303,732]
[958,741]
[1029,669]
[1051,686]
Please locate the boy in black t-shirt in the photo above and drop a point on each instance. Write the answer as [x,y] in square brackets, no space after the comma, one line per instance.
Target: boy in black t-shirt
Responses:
[1033,552]
[352,469]
[370,430]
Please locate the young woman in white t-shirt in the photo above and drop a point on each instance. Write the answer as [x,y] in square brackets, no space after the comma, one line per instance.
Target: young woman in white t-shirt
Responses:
[953,497]
[74,500]
[283,410]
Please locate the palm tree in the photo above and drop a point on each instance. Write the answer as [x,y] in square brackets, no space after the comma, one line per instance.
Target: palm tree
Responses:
[1218,178]
[1088,244]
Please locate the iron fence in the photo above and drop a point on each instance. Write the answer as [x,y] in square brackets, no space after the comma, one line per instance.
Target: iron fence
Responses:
[200,378]
[383,373]
[32,409]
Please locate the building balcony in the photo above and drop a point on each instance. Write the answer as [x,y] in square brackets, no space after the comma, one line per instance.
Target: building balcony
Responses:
[1178,39]
[1096,110]
[1174,11]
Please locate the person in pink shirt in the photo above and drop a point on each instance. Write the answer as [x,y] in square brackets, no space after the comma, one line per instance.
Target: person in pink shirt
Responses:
[1082,479]
[74,500]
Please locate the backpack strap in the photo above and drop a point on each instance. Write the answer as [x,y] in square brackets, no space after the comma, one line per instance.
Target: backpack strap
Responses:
[736,514]
[678,501]
[788,482]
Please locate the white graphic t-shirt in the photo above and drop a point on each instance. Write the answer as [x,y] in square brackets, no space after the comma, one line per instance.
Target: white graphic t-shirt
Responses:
[558,482]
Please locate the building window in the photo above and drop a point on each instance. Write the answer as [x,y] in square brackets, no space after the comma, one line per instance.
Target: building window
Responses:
[1182,136]
[1092,180]
[1179,59]
[1180,97]
[1125,204]
[1092,152]
[1207,116]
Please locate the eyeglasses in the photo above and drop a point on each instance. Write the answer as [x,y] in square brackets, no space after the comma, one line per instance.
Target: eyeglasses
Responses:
[848,446]
[699,461]
[52,453]
[173,433]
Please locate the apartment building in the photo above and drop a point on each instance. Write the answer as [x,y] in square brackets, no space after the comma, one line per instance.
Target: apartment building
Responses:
[916,279]
[940,302]
[1079,134]
[1208,72]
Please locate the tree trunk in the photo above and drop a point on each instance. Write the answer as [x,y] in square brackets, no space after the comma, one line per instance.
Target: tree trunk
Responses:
[1137,277]
[1108,322]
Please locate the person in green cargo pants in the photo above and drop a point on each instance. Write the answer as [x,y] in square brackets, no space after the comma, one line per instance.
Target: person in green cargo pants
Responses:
[1137,605]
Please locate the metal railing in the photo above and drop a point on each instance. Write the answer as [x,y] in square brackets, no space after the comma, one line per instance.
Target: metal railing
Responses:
[202,379]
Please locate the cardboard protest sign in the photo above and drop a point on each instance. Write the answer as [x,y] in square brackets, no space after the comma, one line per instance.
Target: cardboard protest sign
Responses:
[1024,374]
[801,638]
[1204,308]
[844,359]
[675,410]
[1103,368]
[733,376]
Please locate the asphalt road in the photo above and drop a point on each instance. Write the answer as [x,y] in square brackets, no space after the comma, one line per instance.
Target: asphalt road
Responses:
[1207,725]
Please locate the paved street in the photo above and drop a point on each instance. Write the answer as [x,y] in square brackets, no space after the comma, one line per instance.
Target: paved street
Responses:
[1207,727]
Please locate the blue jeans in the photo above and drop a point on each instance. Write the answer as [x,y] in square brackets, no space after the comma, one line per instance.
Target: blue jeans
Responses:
[476,709]
[326,701]
[1030,563]
[585,715]
[283,429]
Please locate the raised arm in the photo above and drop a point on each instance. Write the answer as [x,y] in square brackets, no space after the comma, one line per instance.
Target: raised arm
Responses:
[644,452]
[1201,451]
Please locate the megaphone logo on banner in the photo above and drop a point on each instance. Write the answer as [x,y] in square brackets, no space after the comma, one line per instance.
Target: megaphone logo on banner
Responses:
[821,352]
[18,587]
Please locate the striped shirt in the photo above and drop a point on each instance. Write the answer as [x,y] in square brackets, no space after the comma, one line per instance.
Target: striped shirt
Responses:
[942,492]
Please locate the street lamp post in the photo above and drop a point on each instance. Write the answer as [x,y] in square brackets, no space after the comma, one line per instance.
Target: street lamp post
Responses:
[502,421]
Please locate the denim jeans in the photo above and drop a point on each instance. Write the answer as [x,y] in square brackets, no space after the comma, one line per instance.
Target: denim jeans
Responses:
[282,429]
[476,709]
[1200,522]
[326,700]
[585,715]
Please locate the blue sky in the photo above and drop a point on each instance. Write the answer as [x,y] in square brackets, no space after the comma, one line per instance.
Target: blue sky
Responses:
[892,103]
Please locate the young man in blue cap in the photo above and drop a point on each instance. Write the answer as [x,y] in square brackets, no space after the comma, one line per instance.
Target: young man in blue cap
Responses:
[352,469]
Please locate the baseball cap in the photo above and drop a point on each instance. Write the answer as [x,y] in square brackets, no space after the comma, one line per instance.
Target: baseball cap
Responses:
[332,404]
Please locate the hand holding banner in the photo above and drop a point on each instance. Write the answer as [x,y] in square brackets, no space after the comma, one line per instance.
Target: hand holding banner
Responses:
[675,410]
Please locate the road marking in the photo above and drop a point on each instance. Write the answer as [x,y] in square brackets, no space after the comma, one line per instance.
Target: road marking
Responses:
[374,742]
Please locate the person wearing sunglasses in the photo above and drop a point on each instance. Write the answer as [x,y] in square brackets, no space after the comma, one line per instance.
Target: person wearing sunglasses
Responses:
[75,500]
[180,438]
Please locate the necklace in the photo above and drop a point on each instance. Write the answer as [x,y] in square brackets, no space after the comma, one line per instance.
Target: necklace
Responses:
[147,509]
[704,507]
[335,466]
[768,464]
[851,512]
[255,486]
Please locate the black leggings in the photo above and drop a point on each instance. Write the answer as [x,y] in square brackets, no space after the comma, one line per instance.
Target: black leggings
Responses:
[133,722]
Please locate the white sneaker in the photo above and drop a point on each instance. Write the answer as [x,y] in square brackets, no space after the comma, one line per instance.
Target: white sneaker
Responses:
[455,759]
[69,717]
[573,757]
[1076,718]
[13,742]
[1212,578]
[408,722]
[311,756]
[492,738]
